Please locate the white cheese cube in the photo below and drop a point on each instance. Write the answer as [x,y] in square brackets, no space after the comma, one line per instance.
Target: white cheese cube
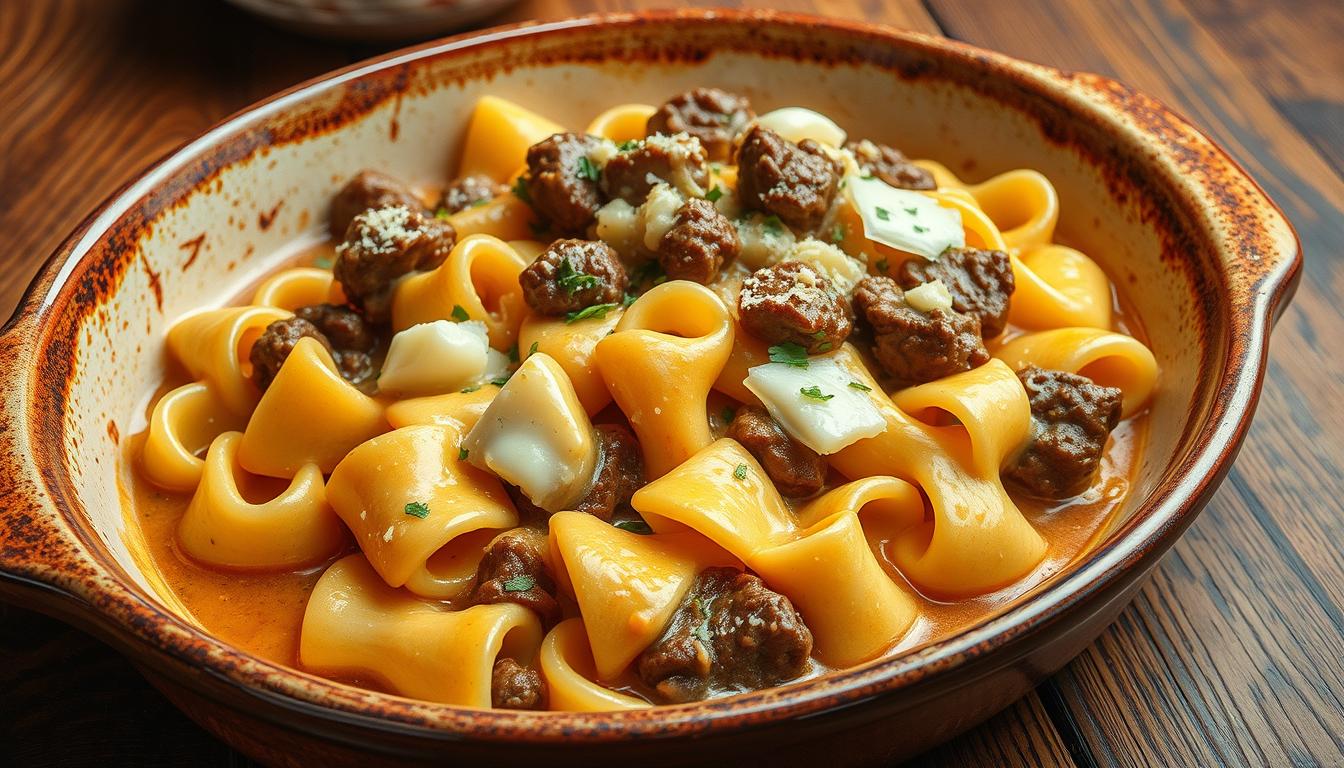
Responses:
[816,404]
[435,358]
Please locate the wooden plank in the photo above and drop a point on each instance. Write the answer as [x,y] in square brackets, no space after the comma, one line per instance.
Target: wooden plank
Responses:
[1233,653]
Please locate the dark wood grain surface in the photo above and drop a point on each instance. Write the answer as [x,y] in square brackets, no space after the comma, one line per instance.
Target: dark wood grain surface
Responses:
[1232,654]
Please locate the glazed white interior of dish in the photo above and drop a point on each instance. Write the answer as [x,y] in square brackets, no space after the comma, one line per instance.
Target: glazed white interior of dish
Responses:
[121,356]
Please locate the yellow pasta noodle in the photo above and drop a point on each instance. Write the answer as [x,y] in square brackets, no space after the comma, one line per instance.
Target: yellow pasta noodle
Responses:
[572,345]
[505,217]
[1109,359]
[293,526]
[409,494]
[498,136]
[183,423]
[478,279]
[1060,288]
[622,123]
[659,365]
[566,662]
[299,287]
[214,346]
[356,625]
[1022,204]
[459,410]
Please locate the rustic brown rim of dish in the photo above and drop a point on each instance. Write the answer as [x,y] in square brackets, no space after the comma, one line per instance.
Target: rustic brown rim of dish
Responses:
[43,545]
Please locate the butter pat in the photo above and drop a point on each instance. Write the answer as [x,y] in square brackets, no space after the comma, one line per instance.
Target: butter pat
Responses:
[536,435]
[816,404]
[435,358]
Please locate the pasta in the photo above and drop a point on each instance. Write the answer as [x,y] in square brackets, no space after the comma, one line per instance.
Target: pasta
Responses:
[632,416]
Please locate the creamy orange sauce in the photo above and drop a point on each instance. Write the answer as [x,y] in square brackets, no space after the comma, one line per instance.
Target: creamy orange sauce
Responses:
[262,612]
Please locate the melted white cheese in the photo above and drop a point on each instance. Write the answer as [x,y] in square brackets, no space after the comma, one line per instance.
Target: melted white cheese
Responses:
[929,296]
[825,426]
[797,123]
[903,219]
[435,358]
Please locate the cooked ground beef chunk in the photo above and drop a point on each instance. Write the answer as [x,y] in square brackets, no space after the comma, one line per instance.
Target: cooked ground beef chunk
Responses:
[514,571]
[730,633]
[467,191]
[562,184]
[796,470]
[790,301]
[620,472]
[981,283]
[369,189]
[915,346]
[890,165]
[571,275]
[713,116]
[795,182]
[1070,420]
[349,337]
[513,686]
[699,244]
[677,160]
[382,245]
[272,348]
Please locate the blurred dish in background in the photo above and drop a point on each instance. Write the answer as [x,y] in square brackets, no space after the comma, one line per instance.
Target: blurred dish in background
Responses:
[374,19]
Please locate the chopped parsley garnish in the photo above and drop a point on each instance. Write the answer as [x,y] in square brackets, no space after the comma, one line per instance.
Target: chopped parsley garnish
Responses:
[867,177]
[629,299]
[773,225]
[520,190]
[442,213]
[921,230]
[649,271]
[701,630]
[882,266]
[538,228]
[819,335]
[323,263]
[597,311]
[459,314]
[572,280]
[532,350]
[716,167]
[838,233]
[814,393]
[417,509]
[472,388]
[634,526]
[513,353]
[882,213]
[912,211]
[860,387]
[789,353]
[741,472]
[501,381]
[484,201]
[588,170]
[824,346]
[520,583]
[714,194]
[462,454]
[727,414]
[629,144]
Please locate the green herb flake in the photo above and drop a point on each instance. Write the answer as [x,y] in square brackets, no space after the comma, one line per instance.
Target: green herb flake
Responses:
[472,388]
[484,201]
[513,354]
[572,280]
[838,233]
[532,350]
[860,387]
[741,472]
[814,393]
[634,526]
[629,144]
[912,211]
[716,168]
[882,213]
[323,263]
[921,230]
[789,353]
[727,414]
[714,194]
[520,583]
[538,229]
[417,509]
[629,299]
[442,213]
[588,170]
[596,312]
[824,346]
[867,177]
[520,190]
[701,630]
[462,454]
[501,381]
[459,314]
[882,266]
[773,225]
[648,272]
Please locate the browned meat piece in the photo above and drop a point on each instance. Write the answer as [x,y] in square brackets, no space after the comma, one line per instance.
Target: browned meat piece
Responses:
[369,189]
[571,275]
[713,116]
[382,245]
[514,571]
[676,160]
[562,183]
[791,302]
[981,283]
[620,472]
[349,337]
[796,182]
[699,244]
[730,634]
[467,191]
[915,346]
[513,686]
[1070,420]
[796,470]
[890,165]
[272,348]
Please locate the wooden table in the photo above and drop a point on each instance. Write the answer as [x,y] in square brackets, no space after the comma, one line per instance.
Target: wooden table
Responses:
[1232,654]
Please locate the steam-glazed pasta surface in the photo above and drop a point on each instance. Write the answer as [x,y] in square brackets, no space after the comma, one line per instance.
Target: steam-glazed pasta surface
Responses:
[686,403]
